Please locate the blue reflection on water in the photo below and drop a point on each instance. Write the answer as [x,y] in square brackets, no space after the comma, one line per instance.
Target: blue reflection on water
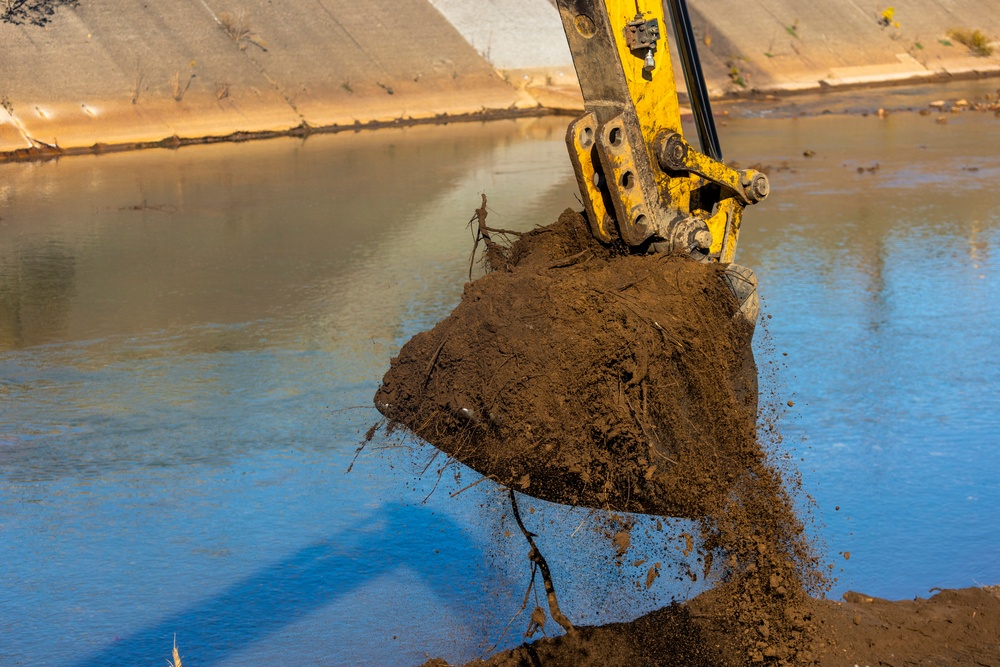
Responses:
[883,287]
[181,393]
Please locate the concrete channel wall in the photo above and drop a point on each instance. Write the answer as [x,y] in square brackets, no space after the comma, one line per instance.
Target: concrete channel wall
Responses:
[793,45]
[95,74]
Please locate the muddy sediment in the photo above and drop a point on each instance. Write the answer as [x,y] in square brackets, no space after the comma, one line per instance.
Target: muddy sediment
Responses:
[586,375]
[954,628]
[41,152]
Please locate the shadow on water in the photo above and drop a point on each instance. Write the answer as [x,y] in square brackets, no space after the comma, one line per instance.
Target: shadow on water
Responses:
[36,288]
[314,576]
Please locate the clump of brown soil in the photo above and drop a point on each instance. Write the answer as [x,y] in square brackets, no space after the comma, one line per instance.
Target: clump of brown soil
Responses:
[581,374]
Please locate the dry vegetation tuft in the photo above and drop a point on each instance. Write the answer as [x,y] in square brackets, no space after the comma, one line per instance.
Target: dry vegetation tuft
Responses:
[176,662]
[237,26]
[975,40]
[31,12]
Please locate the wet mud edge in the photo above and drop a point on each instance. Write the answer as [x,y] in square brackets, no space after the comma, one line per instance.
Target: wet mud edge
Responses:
[40,151]
[954,628]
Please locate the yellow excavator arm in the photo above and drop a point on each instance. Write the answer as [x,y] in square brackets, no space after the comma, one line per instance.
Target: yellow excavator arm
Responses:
[641,181]
[661,422]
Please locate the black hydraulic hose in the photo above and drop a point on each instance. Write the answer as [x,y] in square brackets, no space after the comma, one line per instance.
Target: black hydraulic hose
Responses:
[695,80]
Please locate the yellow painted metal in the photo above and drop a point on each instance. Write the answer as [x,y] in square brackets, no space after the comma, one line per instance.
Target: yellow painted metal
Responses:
[727,219]
[653,94]
[660,200]
[620,167]
[583,155]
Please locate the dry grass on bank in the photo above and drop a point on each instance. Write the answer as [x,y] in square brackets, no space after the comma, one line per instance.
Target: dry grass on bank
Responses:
[237,26]
[974,40]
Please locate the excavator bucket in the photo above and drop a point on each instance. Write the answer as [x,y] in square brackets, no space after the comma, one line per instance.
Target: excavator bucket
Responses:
[605,361]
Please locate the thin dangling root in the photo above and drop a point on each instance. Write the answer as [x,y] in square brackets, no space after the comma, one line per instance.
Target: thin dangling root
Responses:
[536,557]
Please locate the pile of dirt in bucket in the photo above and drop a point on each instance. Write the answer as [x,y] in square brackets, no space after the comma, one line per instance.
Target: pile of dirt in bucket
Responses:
[33,12]
[586,376]
[583,374]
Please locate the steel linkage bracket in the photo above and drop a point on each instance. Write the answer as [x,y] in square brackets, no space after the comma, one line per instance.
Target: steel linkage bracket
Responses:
[675,154]
[640,180]
[642,34]
[616,171]
[615,174]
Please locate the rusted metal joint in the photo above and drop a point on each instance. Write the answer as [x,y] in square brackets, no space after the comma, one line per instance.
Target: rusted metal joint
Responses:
[671,151]
[642,34]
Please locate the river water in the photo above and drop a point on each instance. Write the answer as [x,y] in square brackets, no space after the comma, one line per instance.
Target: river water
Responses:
[190,340]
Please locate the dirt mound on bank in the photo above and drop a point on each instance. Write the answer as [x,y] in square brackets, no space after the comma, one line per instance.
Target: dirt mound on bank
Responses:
[954,628]
[585,375]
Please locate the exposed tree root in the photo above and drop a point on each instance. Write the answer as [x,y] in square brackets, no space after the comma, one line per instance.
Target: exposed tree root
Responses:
[536,557]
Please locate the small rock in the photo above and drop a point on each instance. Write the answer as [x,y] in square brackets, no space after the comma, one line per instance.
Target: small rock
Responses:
[857,598]
[654,572]
[622,540]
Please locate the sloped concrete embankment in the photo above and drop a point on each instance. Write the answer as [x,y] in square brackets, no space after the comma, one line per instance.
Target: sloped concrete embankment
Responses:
[132,71]
[784,45]
[760,45]
[99,74]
